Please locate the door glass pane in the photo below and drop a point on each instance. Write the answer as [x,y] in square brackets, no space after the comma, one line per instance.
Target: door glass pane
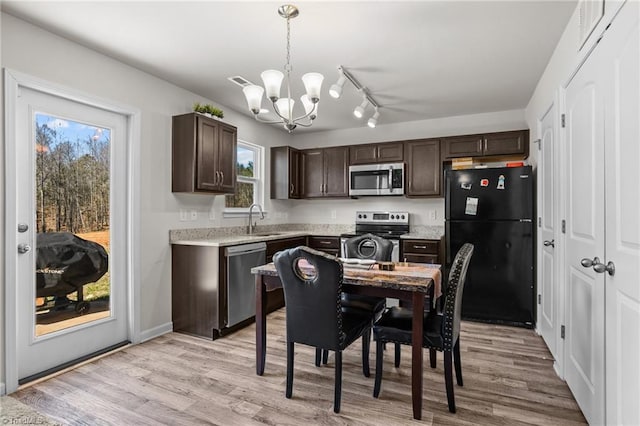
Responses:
[72,220]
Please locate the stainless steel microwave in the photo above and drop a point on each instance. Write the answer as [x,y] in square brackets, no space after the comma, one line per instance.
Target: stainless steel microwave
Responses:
[376,179]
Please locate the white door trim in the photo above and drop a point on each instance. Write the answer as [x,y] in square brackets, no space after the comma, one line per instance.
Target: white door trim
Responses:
[13,82]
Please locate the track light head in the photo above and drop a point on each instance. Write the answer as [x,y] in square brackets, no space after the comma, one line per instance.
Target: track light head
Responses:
[373,121]
[359,111]
[336,90]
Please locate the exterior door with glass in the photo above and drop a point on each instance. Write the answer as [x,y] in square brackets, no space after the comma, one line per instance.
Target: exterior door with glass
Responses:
[71,231]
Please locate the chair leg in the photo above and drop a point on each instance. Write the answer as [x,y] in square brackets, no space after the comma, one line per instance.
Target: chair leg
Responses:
[432,357]
[379,359]
[325,356]
[456,362]
[397,357]
[318,356]
[366,344]
[289,390]
[448,380]
[338,384]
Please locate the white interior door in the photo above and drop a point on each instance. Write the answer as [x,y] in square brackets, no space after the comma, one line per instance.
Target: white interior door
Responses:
[65,149]
[622,134]
[584,306]
[548,287]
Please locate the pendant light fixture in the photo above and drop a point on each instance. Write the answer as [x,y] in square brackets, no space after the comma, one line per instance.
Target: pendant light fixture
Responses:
[272,80]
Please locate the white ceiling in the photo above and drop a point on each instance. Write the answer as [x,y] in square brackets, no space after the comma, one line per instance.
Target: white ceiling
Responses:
[419,60]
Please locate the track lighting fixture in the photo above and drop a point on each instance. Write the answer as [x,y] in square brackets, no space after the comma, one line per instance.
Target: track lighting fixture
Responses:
[336,91]
[359,111]
[373,121]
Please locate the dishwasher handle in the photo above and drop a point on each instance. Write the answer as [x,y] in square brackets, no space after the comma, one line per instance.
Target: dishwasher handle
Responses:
[245,249]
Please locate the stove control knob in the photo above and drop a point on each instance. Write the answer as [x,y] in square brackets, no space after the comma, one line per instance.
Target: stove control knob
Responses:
[402,217]
[359,216]
[392,217]
[365,216]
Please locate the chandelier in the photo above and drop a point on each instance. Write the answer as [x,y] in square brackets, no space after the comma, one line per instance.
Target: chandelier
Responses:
[272,80]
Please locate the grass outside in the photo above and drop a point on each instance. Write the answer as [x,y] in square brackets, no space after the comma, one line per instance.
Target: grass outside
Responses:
[101,289]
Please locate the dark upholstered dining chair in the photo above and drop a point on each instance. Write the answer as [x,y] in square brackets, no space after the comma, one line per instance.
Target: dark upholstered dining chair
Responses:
[441,330]
[366,246]
[314,313]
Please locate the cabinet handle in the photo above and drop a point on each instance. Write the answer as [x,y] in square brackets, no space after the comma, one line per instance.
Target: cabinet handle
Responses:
[291,190]
[420,247]
[485,144]
[324,242]
[221,178]
[217,179]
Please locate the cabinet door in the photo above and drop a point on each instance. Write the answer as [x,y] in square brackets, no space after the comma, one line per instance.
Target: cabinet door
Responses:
[312,173]
[390,152]
[294,173]
[207,155]
[363,154]
[462,146]
[227,159]
[424,168]
[336,170]
[505,143]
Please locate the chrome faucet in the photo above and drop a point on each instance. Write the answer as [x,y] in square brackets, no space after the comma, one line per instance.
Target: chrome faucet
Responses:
[253,225]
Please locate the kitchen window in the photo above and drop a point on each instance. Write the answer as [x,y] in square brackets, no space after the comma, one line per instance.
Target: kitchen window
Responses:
[250,181]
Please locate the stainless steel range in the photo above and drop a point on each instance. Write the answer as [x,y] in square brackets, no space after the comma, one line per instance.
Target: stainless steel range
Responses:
[390,225]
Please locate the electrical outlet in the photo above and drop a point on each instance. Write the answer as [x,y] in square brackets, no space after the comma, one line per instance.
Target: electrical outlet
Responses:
[183,215]
[212,215]
[194,214]
[433,215]
[333,214]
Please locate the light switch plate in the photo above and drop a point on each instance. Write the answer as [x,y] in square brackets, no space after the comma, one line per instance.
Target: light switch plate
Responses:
[433,215]
[194,215]
[183,215]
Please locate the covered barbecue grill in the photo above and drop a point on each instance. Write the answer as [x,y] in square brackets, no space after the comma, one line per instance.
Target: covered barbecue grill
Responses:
[64,264]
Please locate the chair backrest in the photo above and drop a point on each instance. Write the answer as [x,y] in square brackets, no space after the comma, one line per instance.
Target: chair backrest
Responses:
[369,246]
[453,296]
[313,307]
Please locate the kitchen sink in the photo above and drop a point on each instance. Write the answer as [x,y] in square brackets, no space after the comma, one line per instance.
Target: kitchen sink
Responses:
[265,234]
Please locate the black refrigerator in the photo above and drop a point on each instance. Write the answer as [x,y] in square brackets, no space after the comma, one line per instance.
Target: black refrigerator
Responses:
[492,208]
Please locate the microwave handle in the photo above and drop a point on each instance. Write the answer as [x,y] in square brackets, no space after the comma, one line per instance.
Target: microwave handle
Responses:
[390,182]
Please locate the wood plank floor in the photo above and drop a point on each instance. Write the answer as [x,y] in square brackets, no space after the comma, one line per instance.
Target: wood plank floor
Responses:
[182,380]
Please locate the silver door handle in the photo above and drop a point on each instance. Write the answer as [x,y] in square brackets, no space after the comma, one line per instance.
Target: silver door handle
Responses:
[601,268]
[23,248]
[548,243]
[588,263]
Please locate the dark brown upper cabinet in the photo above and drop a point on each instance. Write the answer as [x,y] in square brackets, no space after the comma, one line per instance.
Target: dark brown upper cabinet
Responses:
[487,145]
[391,152]
[424,168]
[325,172]
[285,173]
[203,155]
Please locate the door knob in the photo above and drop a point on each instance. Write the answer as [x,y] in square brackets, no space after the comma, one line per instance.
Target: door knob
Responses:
[601,268]
[588,263]
[23,248]
[548,243]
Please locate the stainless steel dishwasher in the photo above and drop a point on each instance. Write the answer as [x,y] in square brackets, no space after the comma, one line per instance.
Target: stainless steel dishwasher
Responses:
[241,288]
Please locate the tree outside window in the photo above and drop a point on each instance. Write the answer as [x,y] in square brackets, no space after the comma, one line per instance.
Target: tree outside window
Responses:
[249,184]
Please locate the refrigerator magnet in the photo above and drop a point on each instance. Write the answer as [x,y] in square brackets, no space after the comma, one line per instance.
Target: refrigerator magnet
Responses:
[484,182]
[465,185]
[472,206]
[500,182]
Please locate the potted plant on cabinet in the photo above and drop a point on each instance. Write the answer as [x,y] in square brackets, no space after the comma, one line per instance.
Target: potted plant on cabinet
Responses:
[208,110]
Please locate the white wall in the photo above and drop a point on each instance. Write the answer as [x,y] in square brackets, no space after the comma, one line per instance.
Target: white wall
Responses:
[323,211]
[33,51]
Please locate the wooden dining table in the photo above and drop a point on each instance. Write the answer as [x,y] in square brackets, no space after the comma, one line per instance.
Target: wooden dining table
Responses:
[409,282]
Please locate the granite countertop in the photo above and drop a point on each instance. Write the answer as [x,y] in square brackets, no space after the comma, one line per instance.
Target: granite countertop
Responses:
[221,237]
[232,240]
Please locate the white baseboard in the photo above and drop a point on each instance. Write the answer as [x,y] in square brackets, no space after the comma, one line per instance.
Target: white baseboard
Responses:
[156,331]
[3,389]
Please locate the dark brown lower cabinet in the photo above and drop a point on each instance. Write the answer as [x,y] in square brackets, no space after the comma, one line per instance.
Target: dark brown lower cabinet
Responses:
[329,245]
[421,251]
